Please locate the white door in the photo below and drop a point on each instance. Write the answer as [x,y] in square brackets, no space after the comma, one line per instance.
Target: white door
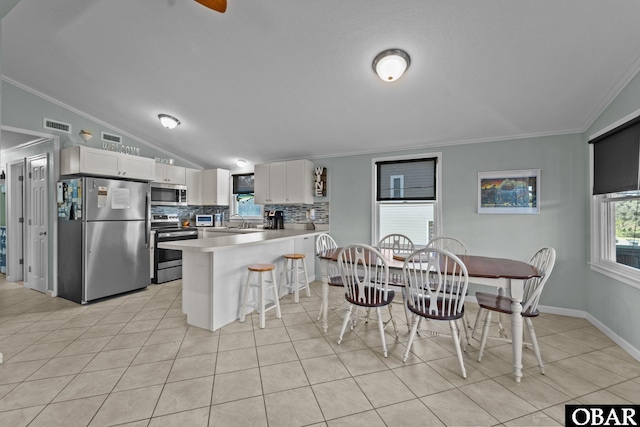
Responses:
[38,220]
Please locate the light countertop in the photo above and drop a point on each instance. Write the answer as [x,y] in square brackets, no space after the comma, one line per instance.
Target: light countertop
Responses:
[225,240]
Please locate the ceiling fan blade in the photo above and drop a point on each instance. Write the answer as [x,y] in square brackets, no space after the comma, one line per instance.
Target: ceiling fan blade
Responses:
[217,5]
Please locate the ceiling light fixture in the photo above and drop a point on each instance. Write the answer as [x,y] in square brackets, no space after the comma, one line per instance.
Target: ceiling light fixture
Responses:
[168,121]
[85,134]
[391,64]
[241,163]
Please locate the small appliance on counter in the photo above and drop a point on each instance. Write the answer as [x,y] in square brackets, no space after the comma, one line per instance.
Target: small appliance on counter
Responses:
[204,220]
[275,220]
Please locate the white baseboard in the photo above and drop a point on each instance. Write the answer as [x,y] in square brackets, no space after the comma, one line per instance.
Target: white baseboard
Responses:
[624,344]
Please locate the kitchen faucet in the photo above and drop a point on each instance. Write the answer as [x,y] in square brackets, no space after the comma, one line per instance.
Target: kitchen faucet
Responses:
[237,214]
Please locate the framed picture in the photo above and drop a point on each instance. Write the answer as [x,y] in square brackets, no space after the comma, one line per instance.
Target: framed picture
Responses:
[509,192]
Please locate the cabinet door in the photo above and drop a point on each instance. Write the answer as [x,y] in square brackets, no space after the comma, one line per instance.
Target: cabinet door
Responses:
[215,187]
[160,173]
[278,182]
[175,175]
[99,162]
[194,186]
[137,167]
[299,182]
[261,184]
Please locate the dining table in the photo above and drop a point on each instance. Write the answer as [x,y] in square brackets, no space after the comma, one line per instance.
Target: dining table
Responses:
[502,273]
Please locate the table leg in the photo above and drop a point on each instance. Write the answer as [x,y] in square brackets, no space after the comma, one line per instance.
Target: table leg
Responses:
[516,326]
[324,264]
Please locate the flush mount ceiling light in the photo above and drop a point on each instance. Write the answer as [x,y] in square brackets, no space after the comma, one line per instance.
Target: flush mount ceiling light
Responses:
[391,64]
[241,162]
[168,121]
[85,134]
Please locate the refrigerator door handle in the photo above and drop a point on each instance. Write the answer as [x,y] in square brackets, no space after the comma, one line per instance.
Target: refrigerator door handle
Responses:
[147,230]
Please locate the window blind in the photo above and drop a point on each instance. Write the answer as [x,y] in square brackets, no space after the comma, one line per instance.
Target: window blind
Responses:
[616,159]
[243,183]
[413,179]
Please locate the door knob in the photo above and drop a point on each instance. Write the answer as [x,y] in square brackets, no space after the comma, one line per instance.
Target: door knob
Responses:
[43,233]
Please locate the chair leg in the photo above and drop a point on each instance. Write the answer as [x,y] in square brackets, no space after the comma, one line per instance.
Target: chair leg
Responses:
[393,322]
[276,297]
[475,323]
[306,277]
[485,333]
[534,341]
[345,322]
[456,341]
[381,328]
[406,309]
[415,319]
[321,307]
[465,326]
[262,304]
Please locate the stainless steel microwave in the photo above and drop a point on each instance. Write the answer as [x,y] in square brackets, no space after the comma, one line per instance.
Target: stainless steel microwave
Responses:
[168,194]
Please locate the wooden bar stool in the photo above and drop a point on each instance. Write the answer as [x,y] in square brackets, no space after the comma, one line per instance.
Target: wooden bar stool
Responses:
[261,303]
[291,264]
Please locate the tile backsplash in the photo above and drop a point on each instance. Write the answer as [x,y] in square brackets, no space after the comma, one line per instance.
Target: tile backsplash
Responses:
[293,214]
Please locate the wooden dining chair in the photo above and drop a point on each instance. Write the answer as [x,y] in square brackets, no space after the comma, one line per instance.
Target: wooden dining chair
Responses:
[436,281]
[543,261]
[459,248]
[325,242]
[399,245]
[365,277]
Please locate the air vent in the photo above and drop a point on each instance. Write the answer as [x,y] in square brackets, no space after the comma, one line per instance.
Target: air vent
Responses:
[56,125]
[109,137]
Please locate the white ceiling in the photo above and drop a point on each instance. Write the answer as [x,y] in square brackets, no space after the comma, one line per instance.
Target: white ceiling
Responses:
[284,79]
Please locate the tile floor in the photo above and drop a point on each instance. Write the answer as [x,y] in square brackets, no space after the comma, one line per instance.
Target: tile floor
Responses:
[133,361]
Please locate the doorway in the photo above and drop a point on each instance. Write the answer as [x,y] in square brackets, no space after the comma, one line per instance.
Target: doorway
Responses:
[31,207]
[38,222]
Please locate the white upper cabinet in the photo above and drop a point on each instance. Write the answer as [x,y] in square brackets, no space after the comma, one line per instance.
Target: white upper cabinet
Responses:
[194,186]
[208,187]
[169,174]
[215,187]
[80,160]
[288,182]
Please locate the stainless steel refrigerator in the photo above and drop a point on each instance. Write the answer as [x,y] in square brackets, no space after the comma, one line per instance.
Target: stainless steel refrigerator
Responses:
[103,244]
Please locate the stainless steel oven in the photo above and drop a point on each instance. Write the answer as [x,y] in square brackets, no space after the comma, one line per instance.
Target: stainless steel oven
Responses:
[168,194]
[167,263]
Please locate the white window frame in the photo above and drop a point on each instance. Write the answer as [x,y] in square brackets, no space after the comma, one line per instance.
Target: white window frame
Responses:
[437,208]
[602,226]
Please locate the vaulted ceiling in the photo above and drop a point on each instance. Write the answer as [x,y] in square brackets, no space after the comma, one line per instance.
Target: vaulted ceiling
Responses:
[284,79]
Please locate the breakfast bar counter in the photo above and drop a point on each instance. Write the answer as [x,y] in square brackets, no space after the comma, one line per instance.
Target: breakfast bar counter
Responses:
[214,269]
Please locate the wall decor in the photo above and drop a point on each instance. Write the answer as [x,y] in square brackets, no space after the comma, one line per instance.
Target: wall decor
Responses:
[321,182]
[509,192]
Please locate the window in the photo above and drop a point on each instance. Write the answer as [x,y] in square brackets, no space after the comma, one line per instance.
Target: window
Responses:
[615,205]
[243,201]
[397,187]
[406,197]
